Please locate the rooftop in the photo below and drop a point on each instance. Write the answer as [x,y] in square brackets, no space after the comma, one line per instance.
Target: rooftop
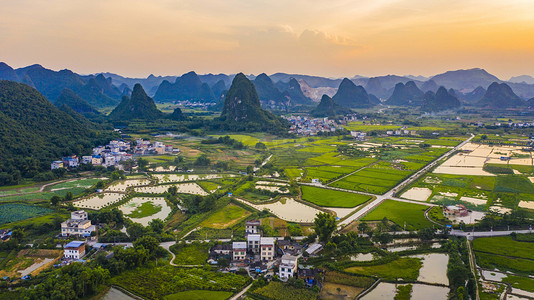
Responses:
[74,244]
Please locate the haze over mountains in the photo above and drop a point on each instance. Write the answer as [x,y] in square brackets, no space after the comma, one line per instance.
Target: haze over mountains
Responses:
[278,91]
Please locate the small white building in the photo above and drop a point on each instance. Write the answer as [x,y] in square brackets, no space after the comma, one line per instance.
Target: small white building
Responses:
[252,226]
[58,164]
[239,251]
[267,250]
[288,267]
[74,250]
[87,159]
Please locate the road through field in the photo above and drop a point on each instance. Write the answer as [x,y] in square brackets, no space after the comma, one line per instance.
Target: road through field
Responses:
[391,193]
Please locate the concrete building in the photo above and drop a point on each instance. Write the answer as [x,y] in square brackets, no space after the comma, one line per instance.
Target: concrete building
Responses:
[252,226]
[288,267]
[239,251]
[58,164]
[253,243]
[78,224]
[267,250]
[74,250]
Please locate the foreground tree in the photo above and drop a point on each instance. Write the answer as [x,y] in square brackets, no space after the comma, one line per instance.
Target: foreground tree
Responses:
[324,225]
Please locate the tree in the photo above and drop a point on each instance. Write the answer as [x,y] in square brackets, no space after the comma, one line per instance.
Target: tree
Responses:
[142,163]
[363,227]
[173,190]
[223,262]
[135,231]
[324,225]
[203,160]
[250,169]
[55,200]
[260,146]
[156,225]
[69,196]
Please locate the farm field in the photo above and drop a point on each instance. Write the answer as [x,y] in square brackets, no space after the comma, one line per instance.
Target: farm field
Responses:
[279,291]
[184,188]
[226,217]
[374,180]
[406,268]
[199,295]
[504,245]
[167,178]
[332,198]
[142,210]
[505,253]
[121,186]
[288,209]
[76,187]
[400,213]
[28,262]
[191,254]
[99,201]
[14,212]
[158,282]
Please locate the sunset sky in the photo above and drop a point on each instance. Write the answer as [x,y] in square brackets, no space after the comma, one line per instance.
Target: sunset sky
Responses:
[317,37]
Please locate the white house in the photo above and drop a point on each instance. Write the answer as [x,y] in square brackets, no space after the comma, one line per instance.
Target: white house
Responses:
[74,250]
[252,226]
[288,266]
[78,224]
[58,164]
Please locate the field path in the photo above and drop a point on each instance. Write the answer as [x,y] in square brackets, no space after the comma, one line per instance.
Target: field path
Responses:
[347,175]
[391,193]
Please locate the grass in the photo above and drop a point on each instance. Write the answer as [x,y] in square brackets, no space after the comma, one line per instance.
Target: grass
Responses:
[158,282]
[503,263]
[519,282]
[146,209]
[280,291]
[199,295]
[406,268]
[208,186]
[514,184]
[191,254]
[293,173]
[331,198]
[400,213]
[504,245]
[226,217]
[404,292]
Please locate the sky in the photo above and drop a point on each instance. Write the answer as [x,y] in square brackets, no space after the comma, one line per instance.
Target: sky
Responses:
[334,38]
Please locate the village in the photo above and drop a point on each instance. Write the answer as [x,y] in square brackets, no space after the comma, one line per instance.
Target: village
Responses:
[115,152]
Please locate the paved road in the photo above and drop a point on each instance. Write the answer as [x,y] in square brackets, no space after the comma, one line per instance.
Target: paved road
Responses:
[390,194]
[470,234]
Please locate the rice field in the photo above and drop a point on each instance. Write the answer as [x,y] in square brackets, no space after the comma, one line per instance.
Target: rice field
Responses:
[121,186]
[167,178]
[287,209]
[99,201]
[184,188]
[142,210]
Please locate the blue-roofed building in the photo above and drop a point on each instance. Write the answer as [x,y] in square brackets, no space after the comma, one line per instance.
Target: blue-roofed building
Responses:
[74,250]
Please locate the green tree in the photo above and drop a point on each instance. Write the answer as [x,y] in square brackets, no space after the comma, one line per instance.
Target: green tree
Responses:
[135,231]
[69,196]
[156,225]
[55,200]
[142,163]
[363,227]
[324,225]
[173,190]
[202,160]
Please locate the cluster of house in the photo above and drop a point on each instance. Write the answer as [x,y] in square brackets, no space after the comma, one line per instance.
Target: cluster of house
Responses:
[113,153]
[508,124]
[257,252]
[311,126]
[109,155]
[144,147]
[401,131]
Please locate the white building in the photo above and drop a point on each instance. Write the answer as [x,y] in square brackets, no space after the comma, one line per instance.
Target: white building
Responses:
[252,226]
[74,250]
[239,250]
[267,250]
[58,164]
[87,159]
[288,266]
[78,224]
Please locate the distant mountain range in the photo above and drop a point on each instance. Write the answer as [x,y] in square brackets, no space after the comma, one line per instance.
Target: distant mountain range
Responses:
[278,91]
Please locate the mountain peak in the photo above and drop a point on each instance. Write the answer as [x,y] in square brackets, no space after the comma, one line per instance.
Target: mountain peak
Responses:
[500,95]
[351,95]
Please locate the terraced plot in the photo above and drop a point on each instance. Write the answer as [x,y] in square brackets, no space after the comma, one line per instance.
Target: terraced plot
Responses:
[331,198]
[401,213]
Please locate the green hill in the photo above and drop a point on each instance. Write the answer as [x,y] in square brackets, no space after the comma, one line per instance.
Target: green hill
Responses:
[242,110]
[500,96]
[139,106]
[34,133]
[441,100]
[76,103]
[329,108]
